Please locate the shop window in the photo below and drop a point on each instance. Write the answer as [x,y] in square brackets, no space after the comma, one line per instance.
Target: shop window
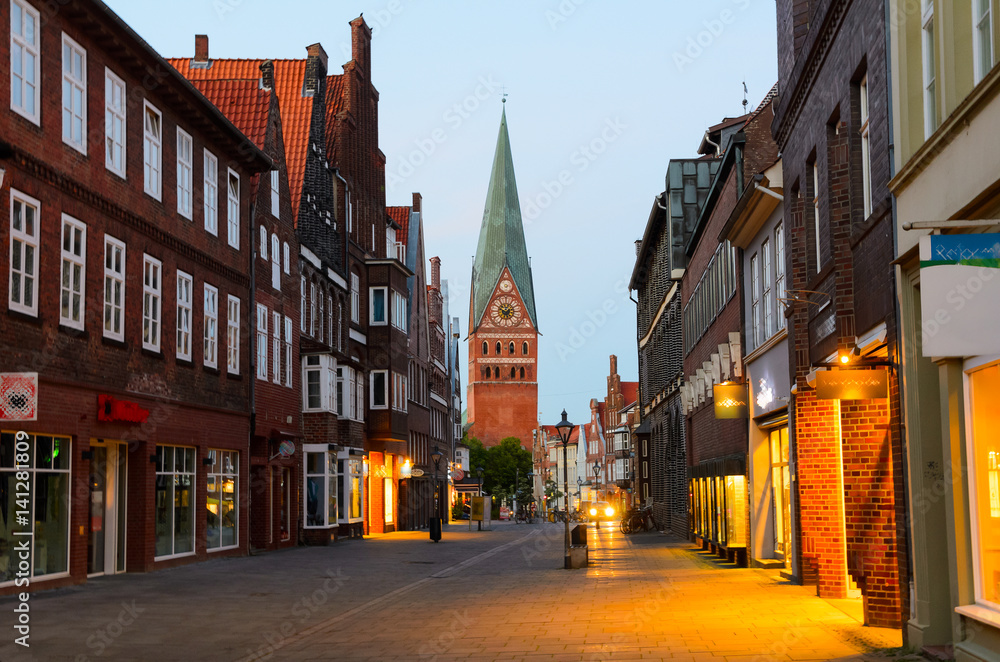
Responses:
[736,500]
[222,500]
[44,463]
[350,481]
[174,503]
[985,455]
[320,486]
[780,490]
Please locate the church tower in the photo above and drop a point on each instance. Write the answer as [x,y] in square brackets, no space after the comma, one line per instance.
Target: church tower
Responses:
[503,323]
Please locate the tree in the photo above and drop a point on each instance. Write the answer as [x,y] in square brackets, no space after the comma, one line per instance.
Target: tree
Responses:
[501,465]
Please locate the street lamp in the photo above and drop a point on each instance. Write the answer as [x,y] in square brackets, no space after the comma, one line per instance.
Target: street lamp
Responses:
[479,472]
[597,479]
[435,523]
[531,481]
[565,428]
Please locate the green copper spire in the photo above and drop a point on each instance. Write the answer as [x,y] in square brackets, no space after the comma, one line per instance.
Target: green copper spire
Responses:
[501,237]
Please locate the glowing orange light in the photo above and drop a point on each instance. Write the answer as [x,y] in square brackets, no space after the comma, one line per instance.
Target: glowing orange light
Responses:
[844,358]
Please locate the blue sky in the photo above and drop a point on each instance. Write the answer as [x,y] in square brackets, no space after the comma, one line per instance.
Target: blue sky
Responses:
[601,96]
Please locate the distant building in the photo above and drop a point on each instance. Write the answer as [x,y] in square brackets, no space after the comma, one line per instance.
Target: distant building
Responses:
[503,322]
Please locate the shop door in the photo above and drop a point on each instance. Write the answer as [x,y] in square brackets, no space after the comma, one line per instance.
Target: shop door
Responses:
[106,541]
[286,504]
[781,491]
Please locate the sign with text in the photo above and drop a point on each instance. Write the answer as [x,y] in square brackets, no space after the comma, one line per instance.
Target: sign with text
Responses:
[731,400]
[863,384]
[478,506]
[959,290]
[109,409]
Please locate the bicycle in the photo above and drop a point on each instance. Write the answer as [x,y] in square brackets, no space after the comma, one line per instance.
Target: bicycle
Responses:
[638,520]
[625,525]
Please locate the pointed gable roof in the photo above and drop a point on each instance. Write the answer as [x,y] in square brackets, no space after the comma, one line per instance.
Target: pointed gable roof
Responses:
[630,393]
[294,105]
[401,217]
[501,236]
[244,102]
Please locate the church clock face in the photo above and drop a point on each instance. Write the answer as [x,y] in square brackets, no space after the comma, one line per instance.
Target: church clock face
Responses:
[506,311]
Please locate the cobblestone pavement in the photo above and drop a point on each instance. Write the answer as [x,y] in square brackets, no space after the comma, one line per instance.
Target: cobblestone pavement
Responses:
[492,595]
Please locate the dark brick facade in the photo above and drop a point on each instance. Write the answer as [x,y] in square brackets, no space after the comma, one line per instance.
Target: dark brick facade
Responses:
[825,49]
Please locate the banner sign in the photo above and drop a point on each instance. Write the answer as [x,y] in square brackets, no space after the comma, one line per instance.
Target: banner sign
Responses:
[477,509]
[852,384]
[959,291]
[731,401]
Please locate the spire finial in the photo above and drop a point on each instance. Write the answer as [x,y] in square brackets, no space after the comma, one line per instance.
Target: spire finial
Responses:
[744,97]
[504,92]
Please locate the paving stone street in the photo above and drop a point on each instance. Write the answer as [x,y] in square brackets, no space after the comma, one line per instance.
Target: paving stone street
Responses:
[491,595]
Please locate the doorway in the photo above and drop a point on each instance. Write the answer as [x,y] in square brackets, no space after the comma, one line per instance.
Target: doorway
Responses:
[781,491]
[108,480]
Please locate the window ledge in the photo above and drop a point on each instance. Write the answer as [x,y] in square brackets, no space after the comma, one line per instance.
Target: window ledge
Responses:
[979,613]
[210,370]
[25,317]
[114,342]
[222,549]
[155,354]
[187,363]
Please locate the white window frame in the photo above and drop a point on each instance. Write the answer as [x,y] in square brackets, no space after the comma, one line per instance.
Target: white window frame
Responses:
[288,351]
[329,319]
[345,472]
[275,262]
[152,302]
[287,260]
[929,66]
[74,84]
[210,336]
[185,169]
[377,393]
[263,243]
[112,278]
[779,271]
[276,348]
[210,184]
[765,269]
[161,470]
[30,48]
[372,296]
[312,309]
[399,394]
[325,367]
[302,304]
[24,240]
[355,298]
[329,485]
[76,264]
[233,208]
[152,153]
[982,38]
[401,316]
[755,299]
[221,475]
[320,318]
[233,335]
[275,194]
[262,342]
[115,123]
[866,166]
[185,314]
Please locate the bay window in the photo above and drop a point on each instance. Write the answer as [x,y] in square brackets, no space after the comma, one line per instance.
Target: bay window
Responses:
[319,383]
[380,389]
[377,309]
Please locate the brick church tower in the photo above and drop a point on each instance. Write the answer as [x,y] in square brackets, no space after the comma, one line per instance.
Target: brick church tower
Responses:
[503,326]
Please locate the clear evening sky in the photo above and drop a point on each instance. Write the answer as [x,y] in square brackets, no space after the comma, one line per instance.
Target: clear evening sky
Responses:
[601,95]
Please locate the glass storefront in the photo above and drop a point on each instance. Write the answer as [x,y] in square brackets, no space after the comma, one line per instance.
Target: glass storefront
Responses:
[45,468]
[321,486]
[780,490]
[350,470]
[175,467]
[985,455]
[222,504]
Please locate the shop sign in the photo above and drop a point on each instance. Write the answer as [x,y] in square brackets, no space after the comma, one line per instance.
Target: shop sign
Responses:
[478,506]
[731,401]
[416,473]
[959,288]
[864,384]
[111,410]
[286,449]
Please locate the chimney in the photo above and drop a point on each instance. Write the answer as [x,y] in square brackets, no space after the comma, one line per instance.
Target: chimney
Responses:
[361,45]
[436,272]
[316,68]
[267,75]
[417,199]
[200,50]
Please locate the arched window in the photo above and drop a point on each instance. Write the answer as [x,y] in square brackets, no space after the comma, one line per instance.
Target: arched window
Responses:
[498,348]
[522,373]
[510,350]
[275,262]
[513,373]
[486,348]
[263,243]
[496,373]
[524,348]
[487,372]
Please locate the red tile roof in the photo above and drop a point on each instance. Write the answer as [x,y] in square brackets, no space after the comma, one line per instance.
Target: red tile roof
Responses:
[401,217]
[630,392]
[296,109]
[243,102]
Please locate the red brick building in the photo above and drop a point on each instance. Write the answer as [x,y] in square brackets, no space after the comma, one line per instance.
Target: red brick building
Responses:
[627,465]
[129,200]
[831,126]
[503,322]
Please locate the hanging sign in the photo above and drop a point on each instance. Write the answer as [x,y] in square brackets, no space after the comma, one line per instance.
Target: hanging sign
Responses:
[109,409]
[862,384]
[959,288]
[731,401]
[416,473]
